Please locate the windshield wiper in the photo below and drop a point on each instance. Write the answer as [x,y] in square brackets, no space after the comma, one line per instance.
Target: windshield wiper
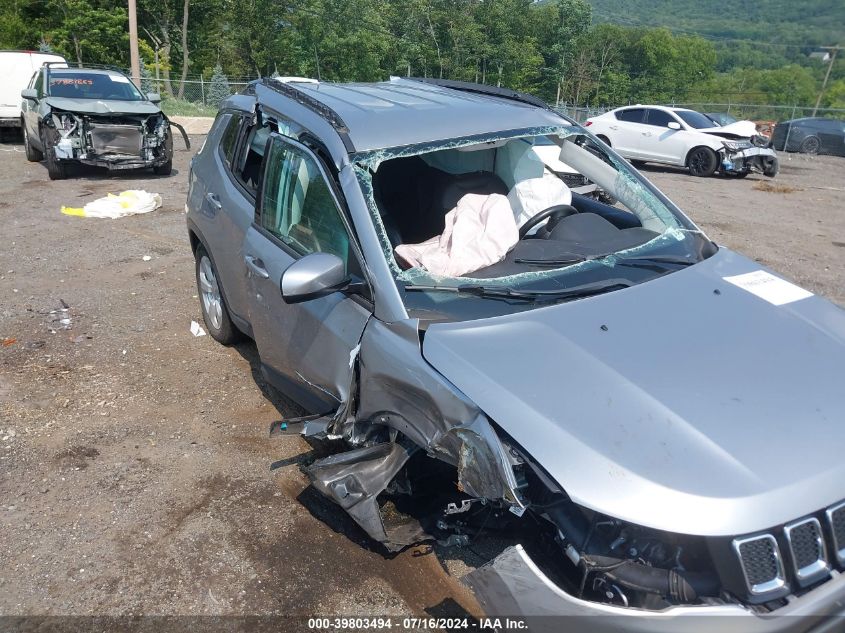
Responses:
[494,292]
[655,259]
[622,261]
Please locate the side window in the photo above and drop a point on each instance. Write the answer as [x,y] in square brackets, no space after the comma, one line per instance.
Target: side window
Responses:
[250,158]
[659,118]
[230,135]
[39,83]
[297,205]
[632,115]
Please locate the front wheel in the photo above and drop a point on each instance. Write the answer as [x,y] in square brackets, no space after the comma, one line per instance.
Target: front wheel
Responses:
[56,169]
[163,169]
[215,313]
[810,145]
[702,162]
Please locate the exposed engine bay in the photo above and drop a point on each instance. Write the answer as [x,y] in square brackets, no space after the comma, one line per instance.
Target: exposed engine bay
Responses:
[115,141]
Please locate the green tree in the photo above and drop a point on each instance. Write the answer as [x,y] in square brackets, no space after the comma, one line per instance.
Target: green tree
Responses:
[219,89]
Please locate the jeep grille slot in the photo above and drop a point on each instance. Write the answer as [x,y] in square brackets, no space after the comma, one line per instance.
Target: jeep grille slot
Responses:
[761,563]
[836,520]
[806,544]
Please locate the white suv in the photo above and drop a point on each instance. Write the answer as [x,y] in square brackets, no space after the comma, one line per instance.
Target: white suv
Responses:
[676,136]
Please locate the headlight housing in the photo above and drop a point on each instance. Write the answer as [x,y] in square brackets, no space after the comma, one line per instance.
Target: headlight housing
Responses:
[737,146]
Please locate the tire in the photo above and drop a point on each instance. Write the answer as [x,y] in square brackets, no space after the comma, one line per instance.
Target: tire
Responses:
[603,139]
[165,169]
[215,312]
[810,145]
[56,169]
[32,155]
[702,162]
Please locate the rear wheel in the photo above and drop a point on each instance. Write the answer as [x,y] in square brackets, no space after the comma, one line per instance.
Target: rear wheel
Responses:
[810,145]
[702,162]
[215,314]
[32,155]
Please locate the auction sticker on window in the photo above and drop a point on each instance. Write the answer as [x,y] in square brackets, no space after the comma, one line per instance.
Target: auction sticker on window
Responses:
[766,286]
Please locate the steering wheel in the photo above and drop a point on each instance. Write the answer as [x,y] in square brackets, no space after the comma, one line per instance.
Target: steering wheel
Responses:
[555,214]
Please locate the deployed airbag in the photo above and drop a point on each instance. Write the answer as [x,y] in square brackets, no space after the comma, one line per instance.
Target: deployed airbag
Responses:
[479,232]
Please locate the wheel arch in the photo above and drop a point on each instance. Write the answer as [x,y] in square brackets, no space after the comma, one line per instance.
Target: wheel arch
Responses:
[700,146]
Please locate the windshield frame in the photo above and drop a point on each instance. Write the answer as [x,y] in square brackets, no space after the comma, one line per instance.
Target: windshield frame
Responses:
[79,73]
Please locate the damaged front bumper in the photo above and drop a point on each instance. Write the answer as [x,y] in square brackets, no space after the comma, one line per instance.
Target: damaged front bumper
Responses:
[761,160]
[114,142]
[512,585]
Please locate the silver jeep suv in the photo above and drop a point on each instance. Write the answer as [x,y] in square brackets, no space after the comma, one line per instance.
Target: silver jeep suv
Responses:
[652,423]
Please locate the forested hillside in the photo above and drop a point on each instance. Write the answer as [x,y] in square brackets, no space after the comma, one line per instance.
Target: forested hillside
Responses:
[779,31]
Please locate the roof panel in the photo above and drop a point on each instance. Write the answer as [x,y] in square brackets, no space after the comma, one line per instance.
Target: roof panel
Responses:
[401,112]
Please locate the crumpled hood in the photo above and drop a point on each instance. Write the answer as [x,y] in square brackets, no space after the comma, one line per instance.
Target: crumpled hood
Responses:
[745,129]
[107,107]
[669,404]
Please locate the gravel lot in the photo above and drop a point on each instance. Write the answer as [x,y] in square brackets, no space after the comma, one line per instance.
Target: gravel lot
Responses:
[134,461]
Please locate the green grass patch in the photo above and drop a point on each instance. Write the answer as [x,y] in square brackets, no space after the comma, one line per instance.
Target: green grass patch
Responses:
[180,107]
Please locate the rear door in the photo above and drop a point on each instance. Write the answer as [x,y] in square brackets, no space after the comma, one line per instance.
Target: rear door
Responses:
[306,348]
[626,132]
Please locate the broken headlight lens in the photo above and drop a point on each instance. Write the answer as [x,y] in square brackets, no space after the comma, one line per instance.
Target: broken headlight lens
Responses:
[737,146]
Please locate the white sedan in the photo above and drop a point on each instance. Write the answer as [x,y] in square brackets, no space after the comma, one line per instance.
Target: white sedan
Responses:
[676,136]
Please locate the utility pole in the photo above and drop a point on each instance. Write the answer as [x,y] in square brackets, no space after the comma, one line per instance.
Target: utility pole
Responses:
[834,49]
[134,59]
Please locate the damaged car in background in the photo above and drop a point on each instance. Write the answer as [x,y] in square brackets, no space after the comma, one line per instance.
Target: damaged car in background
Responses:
[648,423]
[686,138]
[95,117]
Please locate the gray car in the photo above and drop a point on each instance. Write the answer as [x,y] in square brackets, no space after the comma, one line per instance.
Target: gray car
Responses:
[94,117]
[651,423]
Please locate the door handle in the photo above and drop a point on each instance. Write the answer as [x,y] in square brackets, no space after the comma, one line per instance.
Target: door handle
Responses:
[614,127]
[214,201]
[256,267]
[646,133]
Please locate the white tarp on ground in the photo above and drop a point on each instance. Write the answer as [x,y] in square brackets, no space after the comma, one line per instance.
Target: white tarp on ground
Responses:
[130,202]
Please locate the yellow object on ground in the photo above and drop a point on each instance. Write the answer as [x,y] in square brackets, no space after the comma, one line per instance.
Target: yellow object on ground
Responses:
[130,202]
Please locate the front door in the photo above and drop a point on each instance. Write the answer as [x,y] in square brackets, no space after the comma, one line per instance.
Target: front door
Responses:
[306,348]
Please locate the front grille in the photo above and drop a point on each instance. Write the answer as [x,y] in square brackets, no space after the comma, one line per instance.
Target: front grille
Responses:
[761,563]
[836,519]
[806,544]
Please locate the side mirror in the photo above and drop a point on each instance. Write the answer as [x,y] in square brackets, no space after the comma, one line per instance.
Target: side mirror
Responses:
[29,93]
[153,97]
[315,275]
[673,125]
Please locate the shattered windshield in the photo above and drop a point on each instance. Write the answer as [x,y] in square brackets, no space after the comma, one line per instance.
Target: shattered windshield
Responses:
[526,215]
[86,85]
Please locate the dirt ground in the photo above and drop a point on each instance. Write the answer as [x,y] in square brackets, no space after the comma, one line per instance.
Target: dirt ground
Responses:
[134,457]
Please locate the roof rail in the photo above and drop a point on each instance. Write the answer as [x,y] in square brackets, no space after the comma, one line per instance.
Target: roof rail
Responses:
[71,65]
[493,91]
[303,98]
